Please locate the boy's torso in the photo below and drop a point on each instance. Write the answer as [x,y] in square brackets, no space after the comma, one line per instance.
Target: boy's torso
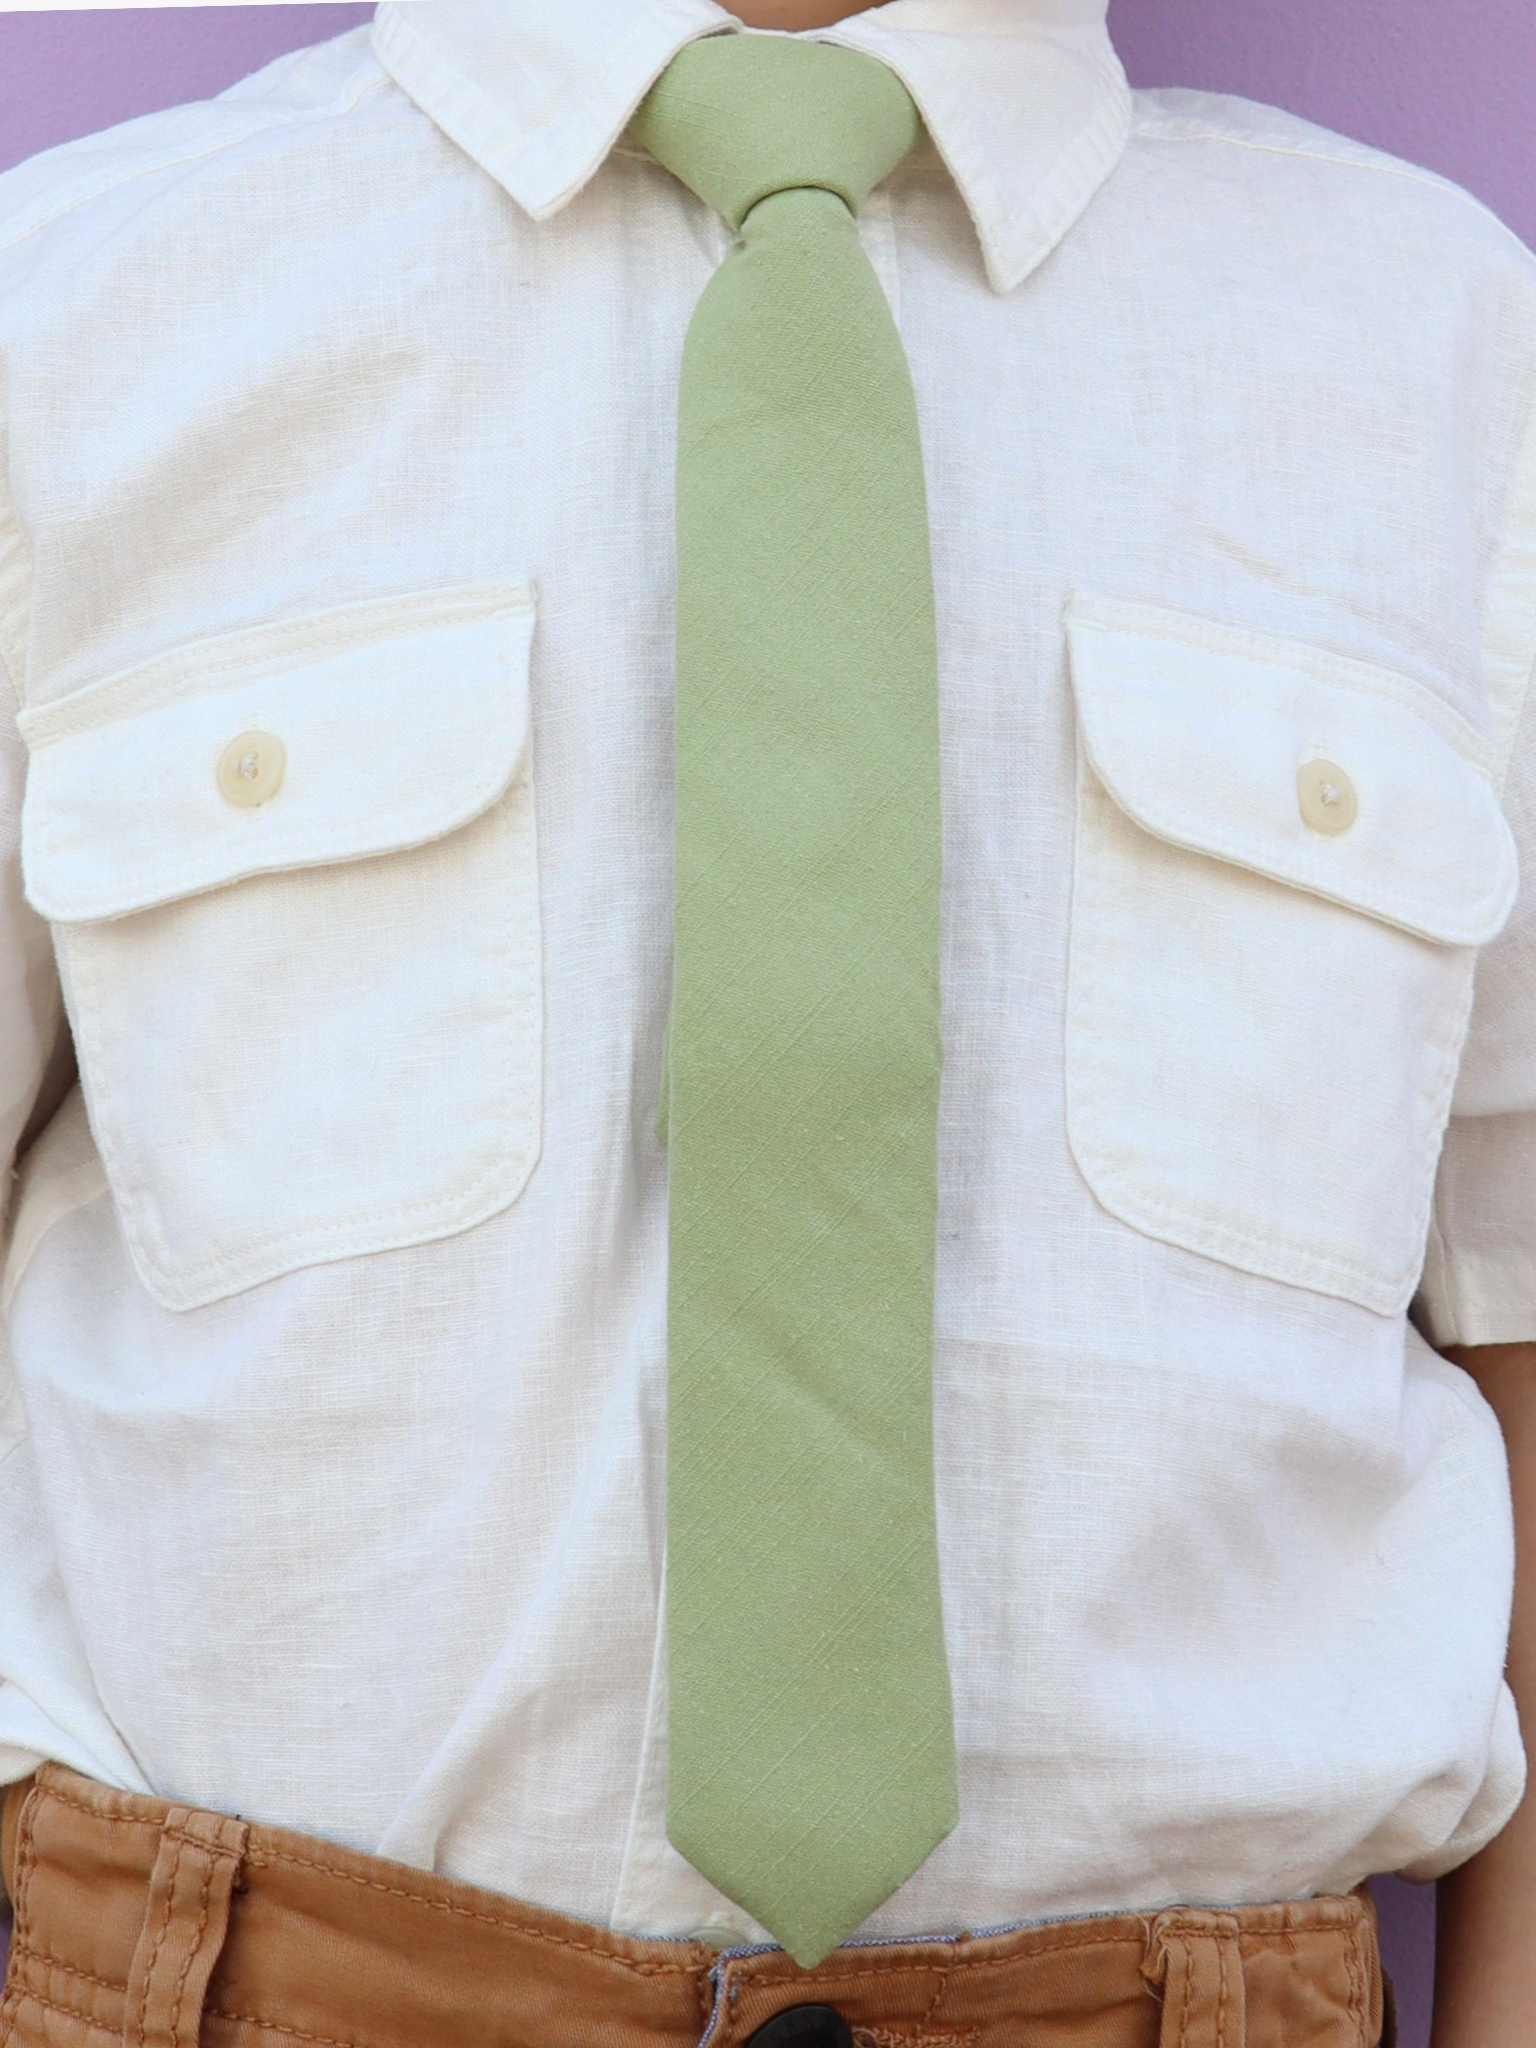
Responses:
[339,1352]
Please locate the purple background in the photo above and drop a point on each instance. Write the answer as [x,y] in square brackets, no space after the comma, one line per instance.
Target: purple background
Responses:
[1449,83]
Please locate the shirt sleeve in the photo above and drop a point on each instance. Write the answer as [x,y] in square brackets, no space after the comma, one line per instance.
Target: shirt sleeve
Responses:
[1479,1284]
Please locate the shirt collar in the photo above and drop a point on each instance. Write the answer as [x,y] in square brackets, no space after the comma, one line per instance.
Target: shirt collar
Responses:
[1025,100]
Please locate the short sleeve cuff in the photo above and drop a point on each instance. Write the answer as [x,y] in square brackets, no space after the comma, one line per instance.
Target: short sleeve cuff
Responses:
[1479,1284]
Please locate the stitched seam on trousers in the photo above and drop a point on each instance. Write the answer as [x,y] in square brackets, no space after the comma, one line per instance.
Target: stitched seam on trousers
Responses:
[251,2019]
[793,1974]
[1352,2007]
[70,2012]
[154,1954]
[939,1989]
[120,1820]
[1352,1984]
[8,2005]
[1189,1983]
[189,1840]
[865,2037]
[894,2037]
[26,1857]
[26,1953]
[193,1948]
[266,1858]
[1281,1939]
[109,1820]
[1221,1996]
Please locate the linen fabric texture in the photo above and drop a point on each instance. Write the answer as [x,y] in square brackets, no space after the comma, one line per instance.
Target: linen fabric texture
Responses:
[344,408]
[811,1750]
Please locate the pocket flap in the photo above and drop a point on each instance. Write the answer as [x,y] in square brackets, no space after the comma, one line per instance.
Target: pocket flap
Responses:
[1201,732]
[398,720]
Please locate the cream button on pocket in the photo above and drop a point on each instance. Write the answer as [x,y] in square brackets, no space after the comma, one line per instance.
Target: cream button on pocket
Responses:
[251,769]
[1326,796]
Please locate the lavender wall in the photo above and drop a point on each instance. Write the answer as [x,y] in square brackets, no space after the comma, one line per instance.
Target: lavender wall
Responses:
[71,72]
[1447,85]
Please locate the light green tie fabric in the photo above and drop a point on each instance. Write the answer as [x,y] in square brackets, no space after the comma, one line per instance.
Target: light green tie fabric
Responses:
[811,1741]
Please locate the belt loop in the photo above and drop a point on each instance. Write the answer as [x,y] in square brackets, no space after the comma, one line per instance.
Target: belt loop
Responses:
[185,1922]
[1195,1961]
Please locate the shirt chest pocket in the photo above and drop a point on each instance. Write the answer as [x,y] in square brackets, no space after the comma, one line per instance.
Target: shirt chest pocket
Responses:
[1285,862]
[293,879]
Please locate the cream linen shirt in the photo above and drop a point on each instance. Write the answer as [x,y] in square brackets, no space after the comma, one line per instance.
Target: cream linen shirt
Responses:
[338,413]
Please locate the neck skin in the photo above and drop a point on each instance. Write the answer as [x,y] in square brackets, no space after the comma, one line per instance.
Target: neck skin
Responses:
[792,14]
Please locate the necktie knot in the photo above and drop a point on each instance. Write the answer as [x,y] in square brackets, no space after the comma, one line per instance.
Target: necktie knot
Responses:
[740,117]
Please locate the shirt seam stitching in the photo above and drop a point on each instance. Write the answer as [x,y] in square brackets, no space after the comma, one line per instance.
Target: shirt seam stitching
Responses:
[1381,167]
[1318,663]
[82,193]
[276,646]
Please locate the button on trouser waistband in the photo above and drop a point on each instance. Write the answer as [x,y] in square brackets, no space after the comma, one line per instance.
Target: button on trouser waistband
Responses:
[804,2026]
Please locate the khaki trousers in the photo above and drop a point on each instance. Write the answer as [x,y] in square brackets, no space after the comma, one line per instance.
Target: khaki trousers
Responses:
[155,1926]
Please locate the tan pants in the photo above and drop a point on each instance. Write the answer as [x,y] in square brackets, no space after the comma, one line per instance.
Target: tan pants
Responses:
[157,1926]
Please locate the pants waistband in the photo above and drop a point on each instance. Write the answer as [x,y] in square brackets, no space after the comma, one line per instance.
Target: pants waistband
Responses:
[159,1926]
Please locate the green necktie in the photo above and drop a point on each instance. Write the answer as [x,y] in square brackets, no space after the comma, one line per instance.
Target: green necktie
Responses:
[811,1739]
